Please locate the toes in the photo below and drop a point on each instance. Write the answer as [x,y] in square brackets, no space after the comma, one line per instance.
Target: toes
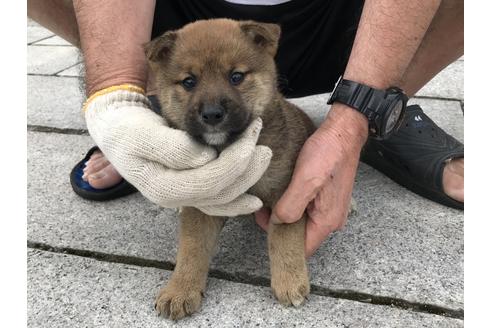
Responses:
[105,178]
[291,289]
[177,310]
[295,296]
[96,165]
[299,296]
[176,305]
[191,305]
[94,157]
[88,168]
[162,306]
[288,298]
[96,154]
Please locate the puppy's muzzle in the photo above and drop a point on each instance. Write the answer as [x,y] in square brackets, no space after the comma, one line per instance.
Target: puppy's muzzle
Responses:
[218,121]
[212,114]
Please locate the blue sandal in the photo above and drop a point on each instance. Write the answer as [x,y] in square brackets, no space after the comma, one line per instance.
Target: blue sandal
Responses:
[84,189]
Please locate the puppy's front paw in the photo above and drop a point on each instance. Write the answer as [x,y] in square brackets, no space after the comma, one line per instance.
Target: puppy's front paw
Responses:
[175,303]
[291,288]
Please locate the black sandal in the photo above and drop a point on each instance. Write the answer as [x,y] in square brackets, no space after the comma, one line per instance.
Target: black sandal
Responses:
[85,190]
[415,156]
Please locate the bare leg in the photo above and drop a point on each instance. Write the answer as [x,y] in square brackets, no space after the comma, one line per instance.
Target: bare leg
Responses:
[198,238]
[443,44]
[57,16]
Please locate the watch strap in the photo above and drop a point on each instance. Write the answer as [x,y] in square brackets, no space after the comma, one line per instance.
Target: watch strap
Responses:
[358,96]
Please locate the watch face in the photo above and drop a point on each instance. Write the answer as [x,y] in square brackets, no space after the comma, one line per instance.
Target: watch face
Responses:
[393,117]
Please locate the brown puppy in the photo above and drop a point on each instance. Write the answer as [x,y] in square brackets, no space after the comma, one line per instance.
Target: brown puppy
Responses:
[214,77]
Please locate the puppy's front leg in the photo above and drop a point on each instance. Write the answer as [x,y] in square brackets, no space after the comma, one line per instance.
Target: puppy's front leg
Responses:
[289,275]
[197,241]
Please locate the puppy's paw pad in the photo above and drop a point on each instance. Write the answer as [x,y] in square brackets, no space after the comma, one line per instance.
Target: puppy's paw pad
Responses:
[176,304]
[294,293]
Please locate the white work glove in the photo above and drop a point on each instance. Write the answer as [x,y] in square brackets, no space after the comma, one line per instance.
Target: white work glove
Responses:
[167,165]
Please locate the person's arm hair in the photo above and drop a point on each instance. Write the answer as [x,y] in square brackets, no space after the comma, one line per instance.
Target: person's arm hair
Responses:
[389,33]
[112,34]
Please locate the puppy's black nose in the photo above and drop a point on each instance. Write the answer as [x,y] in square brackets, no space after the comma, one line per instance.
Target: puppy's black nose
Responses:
[212,114]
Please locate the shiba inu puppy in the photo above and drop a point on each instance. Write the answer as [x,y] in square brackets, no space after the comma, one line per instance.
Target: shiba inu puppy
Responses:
[213,78]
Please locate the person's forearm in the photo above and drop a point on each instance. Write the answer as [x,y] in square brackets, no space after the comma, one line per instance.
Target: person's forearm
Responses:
[388,36]
[112,34]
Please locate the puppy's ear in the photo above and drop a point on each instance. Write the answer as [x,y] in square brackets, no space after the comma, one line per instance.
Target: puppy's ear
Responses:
[159,48]
[263,35]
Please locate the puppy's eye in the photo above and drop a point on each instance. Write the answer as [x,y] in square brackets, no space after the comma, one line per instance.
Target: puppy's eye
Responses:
[189,83]
[236,78]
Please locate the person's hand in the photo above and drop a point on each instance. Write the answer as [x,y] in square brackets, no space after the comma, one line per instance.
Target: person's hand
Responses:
[167,165]
[323,178]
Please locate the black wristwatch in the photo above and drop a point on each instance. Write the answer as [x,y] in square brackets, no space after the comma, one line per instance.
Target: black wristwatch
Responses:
[383,108]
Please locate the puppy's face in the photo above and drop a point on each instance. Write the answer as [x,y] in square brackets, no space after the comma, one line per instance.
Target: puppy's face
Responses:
[215,76]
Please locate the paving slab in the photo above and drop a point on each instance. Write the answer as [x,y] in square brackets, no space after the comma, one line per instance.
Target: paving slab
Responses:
[446,113]
[398,245]
[36,33]
[54,102]
[315,106]
[30,22]
[76,71]
[70,291]
[127,224]
[49,60]
[449,83]
[53,41]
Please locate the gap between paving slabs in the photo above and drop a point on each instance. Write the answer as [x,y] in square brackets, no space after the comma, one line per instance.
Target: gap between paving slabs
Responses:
[258,281]
[49,60]
[120,295]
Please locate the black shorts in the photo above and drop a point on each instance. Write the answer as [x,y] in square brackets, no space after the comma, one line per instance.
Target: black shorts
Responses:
[316,39]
